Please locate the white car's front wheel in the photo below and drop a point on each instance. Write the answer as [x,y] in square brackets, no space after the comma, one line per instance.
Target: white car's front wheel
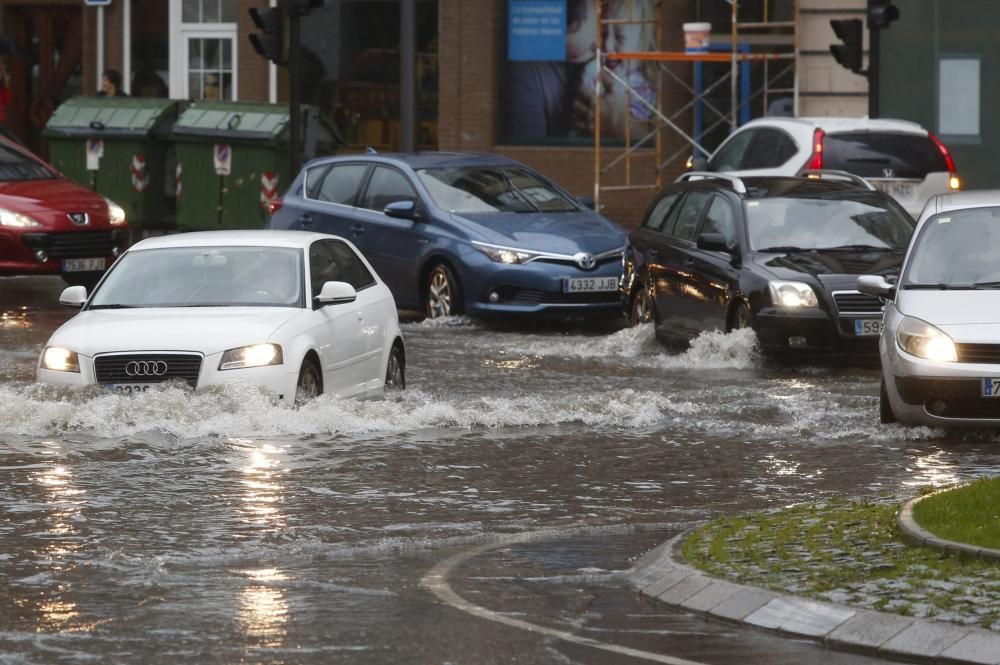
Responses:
[885,414]
[310,383]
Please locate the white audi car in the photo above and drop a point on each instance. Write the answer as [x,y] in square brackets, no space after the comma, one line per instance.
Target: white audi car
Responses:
[297,313]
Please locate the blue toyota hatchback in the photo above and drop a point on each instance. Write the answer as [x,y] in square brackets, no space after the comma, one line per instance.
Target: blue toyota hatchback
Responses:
[455,233]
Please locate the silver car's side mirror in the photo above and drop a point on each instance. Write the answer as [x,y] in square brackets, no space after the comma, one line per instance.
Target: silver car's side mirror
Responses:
[335,293]
[73,296]
[876,285]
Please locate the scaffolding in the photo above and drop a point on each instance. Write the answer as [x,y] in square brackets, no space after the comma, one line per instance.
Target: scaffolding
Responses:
[766,42]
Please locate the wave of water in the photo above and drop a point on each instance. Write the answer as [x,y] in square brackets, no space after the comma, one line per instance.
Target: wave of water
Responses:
[240,410]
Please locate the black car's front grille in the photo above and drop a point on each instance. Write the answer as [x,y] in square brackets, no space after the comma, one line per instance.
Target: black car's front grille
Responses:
[74,245]
[513,295]
[987,354]
[852,302]
[148,368]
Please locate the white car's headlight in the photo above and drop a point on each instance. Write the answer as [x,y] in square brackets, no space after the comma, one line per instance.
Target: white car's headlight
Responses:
[59,359]
[257,355]
[923,340]
[793,294]
[16,219]
[116,214]
[508,255]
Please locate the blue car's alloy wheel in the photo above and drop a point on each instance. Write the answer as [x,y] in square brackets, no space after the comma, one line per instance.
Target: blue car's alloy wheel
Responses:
[442,298]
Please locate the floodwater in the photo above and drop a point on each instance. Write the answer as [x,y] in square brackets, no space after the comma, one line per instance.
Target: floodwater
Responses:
[217,527]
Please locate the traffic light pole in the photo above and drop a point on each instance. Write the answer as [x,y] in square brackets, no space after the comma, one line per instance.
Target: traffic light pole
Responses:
[873,62]
[295,89]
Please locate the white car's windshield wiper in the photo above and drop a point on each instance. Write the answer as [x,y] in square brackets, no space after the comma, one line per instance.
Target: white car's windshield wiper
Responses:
[987,285]
[942,287]
[114,306]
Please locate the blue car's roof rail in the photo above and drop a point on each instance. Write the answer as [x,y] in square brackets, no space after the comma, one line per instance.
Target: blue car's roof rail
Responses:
[737,184]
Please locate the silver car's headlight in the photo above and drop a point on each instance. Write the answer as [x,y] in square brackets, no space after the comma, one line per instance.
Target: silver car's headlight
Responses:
[256,355]
[923,340]
[60,360]
[508,255]
[17,220]
[792,294]
[116,214]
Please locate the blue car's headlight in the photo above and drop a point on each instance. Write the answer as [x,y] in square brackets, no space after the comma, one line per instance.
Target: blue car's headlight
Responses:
[508,255]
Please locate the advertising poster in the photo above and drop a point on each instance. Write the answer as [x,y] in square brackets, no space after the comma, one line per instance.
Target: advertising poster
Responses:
[551,70]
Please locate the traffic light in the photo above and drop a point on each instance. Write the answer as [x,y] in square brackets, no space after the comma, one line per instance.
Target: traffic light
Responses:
[850,32]
[303,7]
[270,41]
[881,13]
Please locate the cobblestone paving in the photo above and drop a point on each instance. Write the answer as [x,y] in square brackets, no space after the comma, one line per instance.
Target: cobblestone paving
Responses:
[851,553]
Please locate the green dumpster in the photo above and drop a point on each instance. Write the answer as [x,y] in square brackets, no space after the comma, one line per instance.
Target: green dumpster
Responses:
[232,159]
[116,146]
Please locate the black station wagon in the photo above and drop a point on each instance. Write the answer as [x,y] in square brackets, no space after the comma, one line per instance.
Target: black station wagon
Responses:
[780,255]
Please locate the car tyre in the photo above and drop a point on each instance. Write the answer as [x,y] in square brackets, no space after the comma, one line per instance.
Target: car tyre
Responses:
[310,383]
[395,370]
[641,310]
[885,414]
[443,296]
[742,317]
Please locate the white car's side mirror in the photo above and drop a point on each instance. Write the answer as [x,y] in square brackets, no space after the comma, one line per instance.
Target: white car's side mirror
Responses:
[73,296]
[876,285]
[334,293]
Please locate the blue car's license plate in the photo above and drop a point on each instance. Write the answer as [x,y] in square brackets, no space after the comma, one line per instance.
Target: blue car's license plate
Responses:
[589,284]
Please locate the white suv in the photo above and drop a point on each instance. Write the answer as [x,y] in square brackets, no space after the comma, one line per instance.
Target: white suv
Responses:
[901,158]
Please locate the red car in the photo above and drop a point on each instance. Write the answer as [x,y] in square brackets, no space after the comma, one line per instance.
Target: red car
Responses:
[50,225]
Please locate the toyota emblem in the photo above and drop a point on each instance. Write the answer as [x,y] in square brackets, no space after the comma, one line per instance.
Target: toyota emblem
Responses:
[585,260]
[146,368]
[79,218]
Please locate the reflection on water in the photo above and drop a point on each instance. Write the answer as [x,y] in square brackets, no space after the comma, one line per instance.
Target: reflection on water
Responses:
[937,469]
[261,490]
[263,610]
[15,319]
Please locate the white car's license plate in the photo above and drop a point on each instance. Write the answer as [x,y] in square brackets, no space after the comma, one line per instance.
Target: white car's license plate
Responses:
[991,387]
[128,388]
[897,188]
[867,327]
[589,284]
[83,265]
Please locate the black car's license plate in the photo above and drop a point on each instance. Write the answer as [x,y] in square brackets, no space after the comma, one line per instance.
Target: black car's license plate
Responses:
[867,327]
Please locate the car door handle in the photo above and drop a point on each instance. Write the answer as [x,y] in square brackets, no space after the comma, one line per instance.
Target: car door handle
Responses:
[305,220]
[688,262]
[357,228]
[653,253]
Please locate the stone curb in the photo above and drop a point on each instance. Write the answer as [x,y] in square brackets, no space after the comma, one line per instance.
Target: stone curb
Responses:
[922,536]
[661,575]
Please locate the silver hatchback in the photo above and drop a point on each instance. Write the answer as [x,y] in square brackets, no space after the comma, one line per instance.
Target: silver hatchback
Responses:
[940,342]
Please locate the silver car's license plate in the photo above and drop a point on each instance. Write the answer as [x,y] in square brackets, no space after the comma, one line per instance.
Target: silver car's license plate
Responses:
[128,388]
[991,387]
[589,284]
[83,265]
[867,327]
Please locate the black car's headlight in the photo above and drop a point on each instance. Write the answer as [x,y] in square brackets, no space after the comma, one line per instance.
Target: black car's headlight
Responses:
[508,255]
[793,295]
[923,340]
[60,360]
[256,355]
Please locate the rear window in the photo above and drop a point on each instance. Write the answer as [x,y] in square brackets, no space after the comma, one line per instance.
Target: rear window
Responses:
[883,155]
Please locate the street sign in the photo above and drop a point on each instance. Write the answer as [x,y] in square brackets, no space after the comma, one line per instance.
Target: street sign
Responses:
[97,3]
[95,150]
[222,158]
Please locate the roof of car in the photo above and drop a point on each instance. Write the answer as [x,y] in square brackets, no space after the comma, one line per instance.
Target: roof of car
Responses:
[430,159]
[760,187]
[266,238]
[980,198]
[833,125]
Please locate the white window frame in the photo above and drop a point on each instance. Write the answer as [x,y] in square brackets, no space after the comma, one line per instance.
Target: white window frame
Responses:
[180,36]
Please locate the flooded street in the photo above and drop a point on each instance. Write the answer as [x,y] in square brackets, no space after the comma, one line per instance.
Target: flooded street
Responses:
[218,527]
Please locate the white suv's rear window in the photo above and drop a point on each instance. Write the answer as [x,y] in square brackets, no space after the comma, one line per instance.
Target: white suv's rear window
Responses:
[883,155]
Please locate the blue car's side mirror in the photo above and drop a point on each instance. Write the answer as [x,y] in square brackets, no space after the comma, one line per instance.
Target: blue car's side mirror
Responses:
[402,210]
[585,201]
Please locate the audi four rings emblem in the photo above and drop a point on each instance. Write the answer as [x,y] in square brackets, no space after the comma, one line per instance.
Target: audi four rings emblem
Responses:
[146,368]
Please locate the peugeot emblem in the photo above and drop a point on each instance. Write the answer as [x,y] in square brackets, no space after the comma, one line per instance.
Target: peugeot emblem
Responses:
[585,260]
[146,368]
[79,218]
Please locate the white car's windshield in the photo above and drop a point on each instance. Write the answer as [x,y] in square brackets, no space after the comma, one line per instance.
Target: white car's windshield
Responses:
[204,277]
[788,224]
[474,189]
[957,249]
